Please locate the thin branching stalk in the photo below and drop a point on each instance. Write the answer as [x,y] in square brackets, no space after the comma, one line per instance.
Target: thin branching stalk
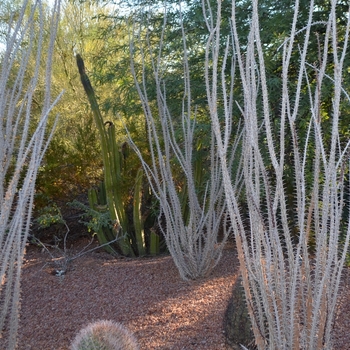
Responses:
[291,291]
[63,257]
[191,227]
[21,150]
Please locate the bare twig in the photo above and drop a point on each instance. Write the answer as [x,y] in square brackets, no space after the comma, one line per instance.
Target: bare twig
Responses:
[64,256]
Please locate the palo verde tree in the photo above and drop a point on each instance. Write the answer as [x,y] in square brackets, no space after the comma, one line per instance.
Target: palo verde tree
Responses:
[72,163]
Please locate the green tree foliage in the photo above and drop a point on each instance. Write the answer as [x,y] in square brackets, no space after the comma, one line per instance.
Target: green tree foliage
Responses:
[101,32]
[73,162]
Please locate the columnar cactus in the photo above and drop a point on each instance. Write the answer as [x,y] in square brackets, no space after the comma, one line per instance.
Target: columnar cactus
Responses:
[130,243]
[104,335]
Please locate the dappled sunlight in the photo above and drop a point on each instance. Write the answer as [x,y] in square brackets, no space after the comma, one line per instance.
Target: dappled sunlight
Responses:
[175,321]
[146,295]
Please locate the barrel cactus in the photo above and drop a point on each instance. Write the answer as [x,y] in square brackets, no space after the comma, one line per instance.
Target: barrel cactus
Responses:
[104,335]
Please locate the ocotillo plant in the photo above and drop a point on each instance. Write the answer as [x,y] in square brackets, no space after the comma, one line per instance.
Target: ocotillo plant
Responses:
[291,291]
[23,141]
[113,176]
[191,221]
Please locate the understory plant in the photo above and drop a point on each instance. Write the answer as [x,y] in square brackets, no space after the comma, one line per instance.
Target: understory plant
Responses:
[60,254]
[291,269]
[23,140]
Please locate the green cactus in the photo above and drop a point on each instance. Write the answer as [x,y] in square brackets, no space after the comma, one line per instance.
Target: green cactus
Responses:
[97,202]
[154,244]
[111,163]
[104,335]
[132,236]
[137,217]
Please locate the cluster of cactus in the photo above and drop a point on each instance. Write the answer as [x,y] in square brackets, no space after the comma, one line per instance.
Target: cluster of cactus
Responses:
[109,195]
[104,335]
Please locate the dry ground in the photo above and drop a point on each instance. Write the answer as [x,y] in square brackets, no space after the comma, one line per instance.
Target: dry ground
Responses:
[145,294]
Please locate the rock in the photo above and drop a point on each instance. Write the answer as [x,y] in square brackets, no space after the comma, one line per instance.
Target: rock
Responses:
[237,325]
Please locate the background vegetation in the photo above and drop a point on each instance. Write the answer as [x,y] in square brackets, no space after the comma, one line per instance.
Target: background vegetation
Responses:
[100,32]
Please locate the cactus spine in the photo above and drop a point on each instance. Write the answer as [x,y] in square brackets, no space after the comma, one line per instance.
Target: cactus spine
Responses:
[104,335]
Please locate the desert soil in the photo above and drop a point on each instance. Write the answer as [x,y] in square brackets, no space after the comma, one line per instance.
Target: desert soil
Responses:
[145,294]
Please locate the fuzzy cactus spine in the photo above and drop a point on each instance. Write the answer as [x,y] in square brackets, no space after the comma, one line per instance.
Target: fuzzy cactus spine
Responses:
[104,335]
